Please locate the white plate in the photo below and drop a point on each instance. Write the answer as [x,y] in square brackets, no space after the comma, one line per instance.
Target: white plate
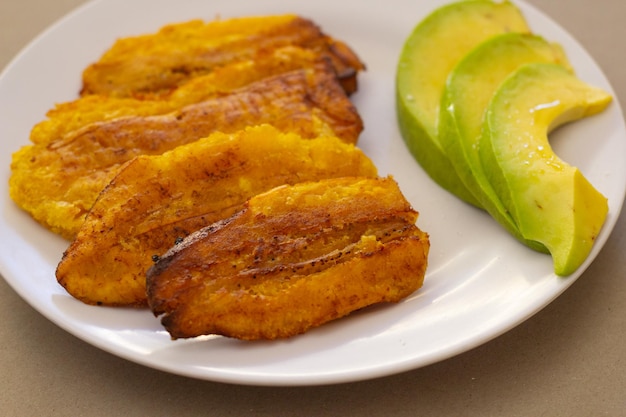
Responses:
[480,282]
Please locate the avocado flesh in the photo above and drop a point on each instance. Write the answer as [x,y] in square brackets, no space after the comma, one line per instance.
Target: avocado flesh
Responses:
[550,201]
[468,90]
[429,54]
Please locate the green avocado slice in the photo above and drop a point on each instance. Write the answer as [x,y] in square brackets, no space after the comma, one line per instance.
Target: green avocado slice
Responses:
[550,201]
[468,90]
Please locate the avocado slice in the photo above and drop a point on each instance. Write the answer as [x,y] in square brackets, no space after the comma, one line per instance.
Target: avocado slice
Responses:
[550,201]
[430,52]
[468,90]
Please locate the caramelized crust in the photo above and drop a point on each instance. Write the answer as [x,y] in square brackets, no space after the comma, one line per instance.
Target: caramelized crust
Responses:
[156,200]
[294,258]
[154,64]
[58,182]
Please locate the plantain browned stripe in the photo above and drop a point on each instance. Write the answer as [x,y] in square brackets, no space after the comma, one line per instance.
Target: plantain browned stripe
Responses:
[156,63]
[280,259]
[285,100]
[284,246]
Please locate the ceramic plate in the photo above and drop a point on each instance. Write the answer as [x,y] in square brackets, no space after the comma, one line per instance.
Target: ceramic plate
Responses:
[480,282]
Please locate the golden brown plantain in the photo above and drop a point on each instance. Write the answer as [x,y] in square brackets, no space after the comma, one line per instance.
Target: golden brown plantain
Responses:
[294,258]
[155,200]
[154,64]
[58,182]
[73,115]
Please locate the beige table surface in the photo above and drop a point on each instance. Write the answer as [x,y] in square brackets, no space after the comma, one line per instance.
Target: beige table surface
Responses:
[568,360]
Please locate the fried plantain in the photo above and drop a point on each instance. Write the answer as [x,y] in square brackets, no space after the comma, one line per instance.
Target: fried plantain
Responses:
[153,64]
[155,200]
[58,182]
[294,258]
[73,115]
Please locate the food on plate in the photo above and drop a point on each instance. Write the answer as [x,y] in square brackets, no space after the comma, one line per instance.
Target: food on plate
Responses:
[430,52]
[57,182]
[240,130]
[153,201]
[551,201]
[468,90]
[292,259]
[470,143]
[154,64]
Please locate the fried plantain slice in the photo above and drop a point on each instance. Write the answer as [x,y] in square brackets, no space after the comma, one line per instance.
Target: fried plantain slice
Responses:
[294,258]
[58,182]
[73,115]
[153,64]
[155,200]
